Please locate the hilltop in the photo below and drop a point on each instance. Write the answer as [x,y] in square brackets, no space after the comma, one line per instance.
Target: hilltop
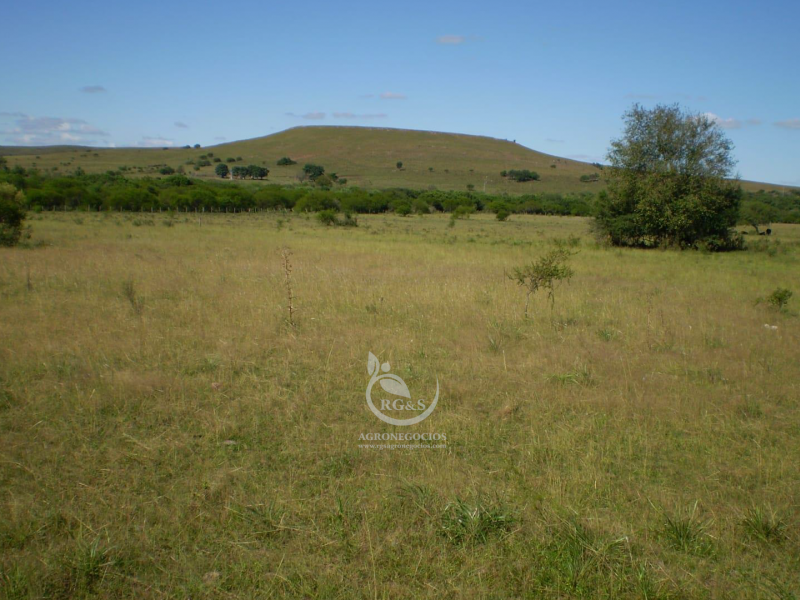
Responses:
[365,156]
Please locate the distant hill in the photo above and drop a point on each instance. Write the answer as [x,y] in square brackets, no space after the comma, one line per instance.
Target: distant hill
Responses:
[365,156]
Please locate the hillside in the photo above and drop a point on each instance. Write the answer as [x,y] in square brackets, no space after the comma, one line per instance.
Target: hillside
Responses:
[365,156]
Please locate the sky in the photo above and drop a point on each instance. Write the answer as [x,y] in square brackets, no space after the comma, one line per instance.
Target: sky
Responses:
[554,76]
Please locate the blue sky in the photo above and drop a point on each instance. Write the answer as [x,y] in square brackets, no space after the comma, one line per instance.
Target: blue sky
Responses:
[554,76]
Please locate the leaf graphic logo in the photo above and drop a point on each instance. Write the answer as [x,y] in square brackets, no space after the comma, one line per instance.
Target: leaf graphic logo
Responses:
[394,385]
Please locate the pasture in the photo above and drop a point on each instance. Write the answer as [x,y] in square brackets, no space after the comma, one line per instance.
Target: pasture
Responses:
[166,433]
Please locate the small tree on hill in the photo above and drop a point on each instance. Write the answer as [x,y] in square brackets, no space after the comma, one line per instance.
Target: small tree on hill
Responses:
[222,170]
[399,165]
[313,171]
[286,162]
[667,182]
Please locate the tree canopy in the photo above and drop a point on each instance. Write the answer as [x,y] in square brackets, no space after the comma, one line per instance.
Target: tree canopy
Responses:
[667,182]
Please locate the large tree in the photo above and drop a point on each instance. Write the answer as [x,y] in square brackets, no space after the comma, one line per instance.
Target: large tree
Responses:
[670,182]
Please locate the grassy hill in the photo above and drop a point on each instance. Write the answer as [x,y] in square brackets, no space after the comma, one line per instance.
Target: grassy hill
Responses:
[365,156]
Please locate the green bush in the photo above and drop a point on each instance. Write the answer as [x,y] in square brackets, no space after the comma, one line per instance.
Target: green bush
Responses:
[286,161]
[12,214]
[522,175]
[327,217]
[780,298]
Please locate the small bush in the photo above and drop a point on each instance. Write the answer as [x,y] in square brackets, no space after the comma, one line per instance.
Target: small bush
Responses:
[780,298]
[286,161]
[12,214]
[327,217]
[463,212]
[522,175]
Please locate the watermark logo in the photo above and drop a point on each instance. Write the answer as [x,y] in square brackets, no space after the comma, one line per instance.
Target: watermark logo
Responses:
[379,373]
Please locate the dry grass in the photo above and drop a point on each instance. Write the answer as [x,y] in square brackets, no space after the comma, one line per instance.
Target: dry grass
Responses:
[166,432]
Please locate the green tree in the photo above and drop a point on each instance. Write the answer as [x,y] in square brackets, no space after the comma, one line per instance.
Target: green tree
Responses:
[667,182]
[286,162]
[544,273]
[256,172]
[313,171]
[222,170]
[399,165]
[757,213]
[12,214]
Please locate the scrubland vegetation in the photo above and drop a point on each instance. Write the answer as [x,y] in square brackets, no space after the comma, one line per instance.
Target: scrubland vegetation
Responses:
[167,433]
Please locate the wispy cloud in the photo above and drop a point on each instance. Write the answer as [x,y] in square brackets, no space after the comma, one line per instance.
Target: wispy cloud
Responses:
[93,89]
[220,138]
[788,124]
[453,40]
[554,141]
[754,121]
[36,131]
[155,142]
[729,123]
[349,115]
[393,96]
[181,125]
[312,116]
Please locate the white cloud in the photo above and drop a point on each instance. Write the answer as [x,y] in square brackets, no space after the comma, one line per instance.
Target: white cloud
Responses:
[155,142]
[788,124]
[312,116]
[754,121]
[393,96]
[93,89]
[452,40]
[181,125]
[349,115]
[730,123]
[37,131]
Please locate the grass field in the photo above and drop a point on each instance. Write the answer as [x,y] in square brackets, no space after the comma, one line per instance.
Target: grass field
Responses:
[365,156]
[167,434]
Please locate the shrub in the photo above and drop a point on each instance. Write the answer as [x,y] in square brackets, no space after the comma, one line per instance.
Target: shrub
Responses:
[463,212]
[12,214]
[522,175]
[313,171]
[546,273]
[780,298]
[399,165]
[286,161]
[327,217]
[166,170]
[591,178]
[502,214]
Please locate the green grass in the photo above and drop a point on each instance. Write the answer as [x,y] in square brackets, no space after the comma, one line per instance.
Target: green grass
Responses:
[365,156]
[167,434]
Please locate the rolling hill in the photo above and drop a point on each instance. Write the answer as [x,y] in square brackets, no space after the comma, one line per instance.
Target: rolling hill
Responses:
[365,156]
